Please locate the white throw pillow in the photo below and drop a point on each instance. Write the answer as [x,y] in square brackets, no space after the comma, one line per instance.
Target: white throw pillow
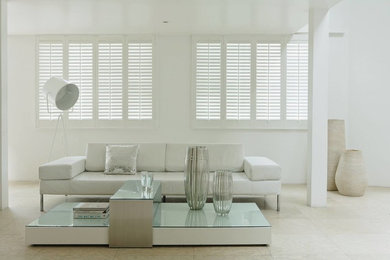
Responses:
[121,159]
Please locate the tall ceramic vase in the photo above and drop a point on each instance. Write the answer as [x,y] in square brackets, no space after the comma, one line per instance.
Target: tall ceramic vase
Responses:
[351,179]
[196,182]
[336,146]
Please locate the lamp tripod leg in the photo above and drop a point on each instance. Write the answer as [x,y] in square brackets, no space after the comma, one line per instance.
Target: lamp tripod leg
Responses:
[54,137]
[60,117]
[65,136]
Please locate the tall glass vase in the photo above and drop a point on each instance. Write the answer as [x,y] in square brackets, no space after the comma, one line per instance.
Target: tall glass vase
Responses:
[222,192]
[196,182]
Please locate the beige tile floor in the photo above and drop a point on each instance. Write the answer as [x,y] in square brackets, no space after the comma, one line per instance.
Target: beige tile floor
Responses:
[349,228]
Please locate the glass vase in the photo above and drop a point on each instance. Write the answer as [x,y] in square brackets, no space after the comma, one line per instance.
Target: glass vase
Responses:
[196,182]
[222,192]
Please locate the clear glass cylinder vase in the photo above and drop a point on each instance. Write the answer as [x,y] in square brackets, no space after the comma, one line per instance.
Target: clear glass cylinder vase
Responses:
[222,192]
[196,182]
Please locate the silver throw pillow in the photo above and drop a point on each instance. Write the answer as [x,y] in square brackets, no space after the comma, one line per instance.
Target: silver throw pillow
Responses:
[121,159]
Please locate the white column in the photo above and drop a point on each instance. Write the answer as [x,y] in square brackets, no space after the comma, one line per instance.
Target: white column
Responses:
[3,107]
[318,107]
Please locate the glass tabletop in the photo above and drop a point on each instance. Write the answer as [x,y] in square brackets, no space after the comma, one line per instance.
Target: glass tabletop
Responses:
[62,216]
[170,215]
[166,215]
[133,190]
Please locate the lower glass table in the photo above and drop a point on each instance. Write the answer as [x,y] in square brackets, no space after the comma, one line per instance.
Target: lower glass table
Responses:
[173,224]
[176,224]
[140,220]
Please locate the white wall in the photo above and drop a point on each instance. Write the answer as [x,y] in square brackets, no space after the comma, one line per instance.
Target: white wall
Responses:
[362,67]
[369,86]
[338,96]
[359,91]
[3,107]
[29,146]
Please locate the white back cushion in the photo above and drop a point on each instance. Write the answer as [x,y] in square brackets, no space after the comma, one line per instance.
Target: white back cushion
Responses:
[151,157]
[221,157]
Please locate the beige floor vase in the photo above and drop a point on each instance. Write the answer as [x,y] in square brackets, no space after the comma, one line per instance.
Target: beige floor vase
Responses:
[351,178]
[336,146]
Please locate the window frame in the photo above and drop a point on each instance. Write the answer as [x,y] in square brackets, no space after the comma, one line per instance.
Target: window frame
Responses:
[252,123]
[144,39]
[298,39]
[59,39]
[78,39]
[95,122]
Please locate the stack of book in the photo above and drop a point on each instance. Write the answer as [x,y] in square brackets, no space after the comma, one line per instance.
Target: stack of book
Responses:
[91,210]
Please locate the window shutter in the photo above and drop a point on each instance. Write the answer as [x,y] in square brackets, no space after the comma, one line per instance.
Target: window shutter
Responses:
[208,81]
[238,81]
[140,81]
[80,73]
[268,80]
[50,64]
[110,71]
[297,81]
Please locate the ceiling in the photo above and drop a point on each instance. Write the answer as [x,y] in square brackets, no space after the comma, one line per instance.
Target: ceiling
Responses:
[148,16]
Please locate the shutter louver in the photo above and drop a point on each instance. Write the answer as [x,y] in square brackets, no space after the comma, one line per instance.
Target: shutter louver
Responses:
[268,81]
[50,64]
[297,81]
[208,81]
[110,72]
[238,81]
[81,73]
[140,81]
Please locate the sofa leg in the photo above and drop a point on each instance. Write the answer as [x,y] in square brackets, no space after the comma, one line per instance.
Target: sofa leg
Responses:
[278,202]
[164,198]
[41,203]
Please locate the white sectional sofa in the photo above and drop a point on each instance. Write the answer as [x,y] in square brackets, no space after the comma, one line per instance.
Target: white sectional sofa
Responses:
[83,175]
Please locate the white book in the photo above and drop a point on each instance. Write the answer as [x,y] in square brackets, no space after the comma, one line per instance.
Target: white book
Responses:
[90,215]
[92,206]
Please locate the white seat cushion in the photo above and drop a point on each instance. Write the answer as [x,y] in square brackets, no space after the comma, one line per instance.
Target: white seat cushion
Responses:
[221,157]
[151,157]
[97,183]
[100,183]
[261,168]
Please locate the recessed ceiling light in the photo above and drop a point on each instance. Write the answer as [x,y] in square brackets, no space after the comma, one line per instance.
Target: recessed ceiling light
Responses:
[165,21]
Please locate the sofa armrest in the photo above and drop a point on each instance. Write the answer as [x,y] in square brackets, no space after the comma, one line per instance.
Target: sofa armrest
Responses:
[62,169]
[261,168]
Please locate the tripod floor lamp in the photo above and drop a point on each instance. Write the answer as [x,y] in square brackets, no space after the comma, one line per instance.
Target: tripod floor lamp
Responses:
[62,95]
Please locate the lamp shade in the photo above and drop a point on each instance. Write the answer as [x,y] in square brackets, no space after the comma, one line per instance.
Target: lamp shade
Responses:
[62,94]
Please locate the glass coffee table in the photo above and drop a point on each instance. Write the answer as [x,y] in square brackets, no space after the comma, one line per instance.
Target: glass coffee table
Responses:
[138,219]
[176,224]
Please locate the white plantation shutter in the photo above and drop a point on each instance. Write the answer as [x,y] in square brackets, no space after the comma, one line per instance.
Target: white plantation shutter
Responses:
[140,81]
[50,64]
[238,81]
[297,81]
[80,72]
[110,73]
[268,81]
[208,81]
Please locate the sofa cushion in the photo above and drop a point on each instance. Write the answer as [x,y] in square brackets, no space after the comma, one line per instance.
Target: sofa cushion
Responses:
[261,168]
[121,159]
[62,169]
[221,156]
[151,157]
[172,183]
